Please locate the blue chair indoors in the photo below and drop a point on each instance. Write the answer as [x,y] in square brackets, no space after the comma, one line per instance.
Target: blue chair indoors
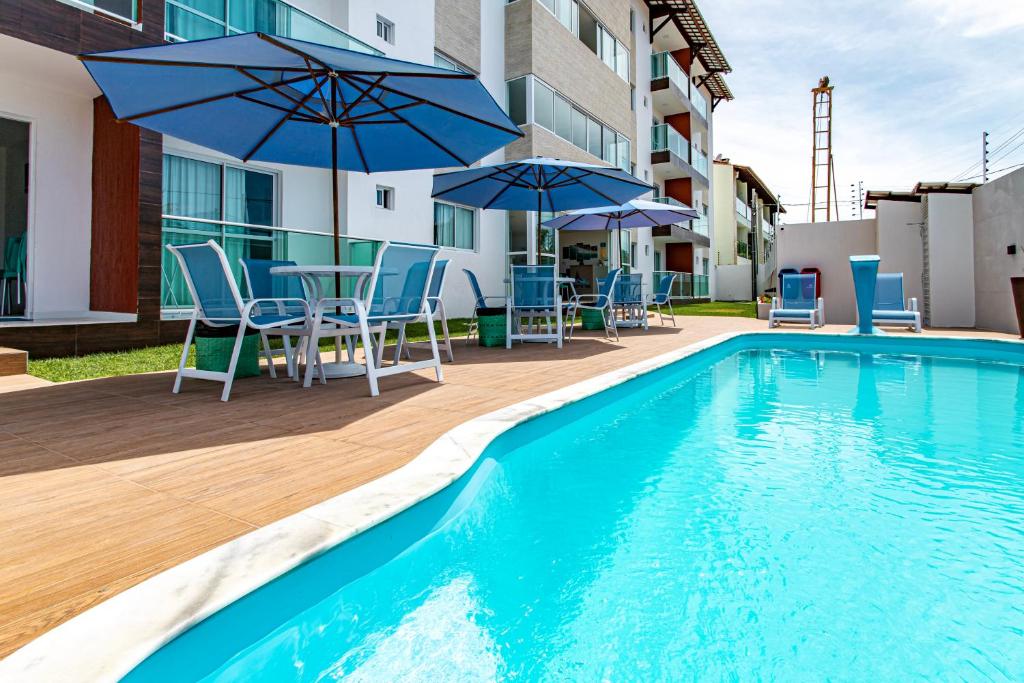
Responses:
[603,301]
[396,294]
[535,296]
[479,301]
[436,304]
[890,307]
[663,297]
[15,251]
[260,283]
[218,303]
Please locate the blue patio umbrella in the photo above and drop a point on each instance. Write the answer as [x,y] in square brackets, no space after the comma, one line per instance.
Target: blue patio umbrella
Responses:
[636,213]
[273,99]
[537,184]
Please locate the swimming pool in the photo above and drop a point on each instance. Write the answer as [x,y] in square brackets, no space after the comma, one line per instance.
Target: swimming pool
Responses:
[777,506]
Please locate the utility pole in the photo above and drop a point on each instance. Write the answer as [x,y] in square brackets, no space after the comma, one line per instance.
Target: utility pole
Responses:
[822,172]
[984,156]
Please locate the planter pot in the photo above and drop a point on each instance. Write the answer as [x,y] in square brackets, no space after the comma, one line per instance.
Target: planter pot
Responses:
[1017,285]
[592,320]
[214,354]
[491,326]
[762,310]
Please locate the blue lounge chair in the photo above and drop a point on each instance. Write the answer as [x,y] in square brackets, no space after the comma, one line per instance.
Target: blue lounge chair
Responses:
[436,304]
[662,297]
[535,295]
[602,301]
[629,300]
[261,284]
[890,307]
[798,303]
[479,301]
[396,294]
[218,303]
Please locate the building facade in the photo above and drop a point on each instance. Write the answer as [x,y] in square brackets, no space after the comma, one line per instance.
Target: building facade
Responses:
[92,202]
[747,213]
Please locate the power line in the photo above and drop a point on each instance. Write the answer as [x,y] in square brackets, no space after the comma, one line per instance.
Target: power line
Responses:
[998,170]
[976,164]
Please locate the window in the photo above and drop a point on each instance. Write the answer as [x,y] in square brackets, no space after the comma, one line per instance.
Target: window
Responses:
[566,11]
[442,62]
[454,226]
[543,105]
[385,30]
[385,197]
[579,128]
[516,97]
[563,118]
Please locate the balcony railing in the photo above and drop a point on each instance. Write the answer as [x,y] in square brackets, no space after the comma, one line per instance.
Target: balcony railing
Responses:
[697,225]
[124,10]
[742,212]
[664,65]
[699,160]
[686,286]
[244,240]
[700,105]
[184,22]
[665,137]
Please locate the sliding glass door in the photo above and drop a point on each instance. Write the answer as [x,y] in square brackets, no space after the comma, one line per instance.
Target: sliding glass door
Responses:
[14,175]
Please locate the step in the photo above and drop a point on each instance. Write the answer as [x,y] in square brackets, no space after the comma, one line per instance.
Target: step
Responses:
[13,362]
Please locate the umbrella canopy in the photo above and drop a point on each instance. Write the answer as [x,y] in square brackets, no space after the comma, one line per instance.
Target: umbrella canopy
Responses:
[636,213]
[539,184]
[273,99]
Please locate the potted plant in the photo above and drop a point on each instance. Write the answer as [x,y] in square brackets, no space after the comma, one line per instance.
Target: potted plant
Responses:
[764,304]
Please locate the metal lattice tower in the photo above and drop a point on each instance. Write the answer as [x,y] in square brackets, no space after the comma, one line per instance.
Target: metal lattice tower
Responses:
[822,172]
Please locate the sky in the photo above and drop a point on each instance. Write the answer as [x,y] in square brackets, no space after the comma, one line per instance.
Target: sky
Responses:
[916,83]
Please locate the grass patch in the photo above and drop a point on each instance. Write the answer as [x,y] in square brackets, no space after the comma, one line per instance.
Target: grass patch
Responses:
[161,358]
[735,309]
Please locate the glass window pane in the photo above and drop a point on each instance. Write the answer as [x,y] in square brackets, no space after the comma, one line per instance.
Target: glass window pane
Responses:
[622,61]
[607,48]
[517,101]
[212,8]
[543,105]
[563,118]
[269,16]
[191,188]
[622,144]
[248,196]
[594,137]
[608,150]
[184,24]
[444,224]
[464,227]
[517,230]
[579,129]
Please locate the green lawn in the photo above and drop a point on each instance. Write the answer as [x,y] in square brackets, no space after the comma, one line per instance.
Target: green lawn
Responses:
[159,358]
[736,309]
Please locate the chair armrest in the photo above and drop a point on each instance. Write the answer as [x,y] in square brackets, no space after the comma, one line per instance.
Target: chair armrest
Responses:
[324,304]
[280,303]
[775,302]
[821,310]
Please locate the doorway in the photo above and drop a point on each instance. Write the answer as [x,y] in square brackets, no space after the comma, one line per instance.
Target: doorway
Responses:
[14,176]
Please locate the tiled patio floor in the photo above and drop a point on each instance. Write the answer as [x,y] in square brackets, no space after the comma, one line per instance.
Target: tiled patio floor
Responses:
[106,482]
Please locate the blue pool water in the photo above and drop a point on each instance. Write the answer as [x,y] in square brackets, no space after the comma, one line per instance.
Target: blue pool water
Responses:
[751,513]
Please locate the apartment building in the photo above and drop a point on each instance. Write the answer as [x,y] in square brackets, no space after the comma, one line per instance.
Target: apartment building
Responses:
[621,82]
[747,213]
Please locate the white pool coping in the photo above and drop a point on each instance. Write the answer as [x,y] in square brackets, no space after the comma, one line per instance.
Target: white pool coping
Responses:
[107,641]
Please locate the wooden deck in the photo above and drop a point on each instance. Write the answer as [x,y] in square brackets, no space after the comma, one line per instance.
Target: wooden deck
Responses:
[107,482]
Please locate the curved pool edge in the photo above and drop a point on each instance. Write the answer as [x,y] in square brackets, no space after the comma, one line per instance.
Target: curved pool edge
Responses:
[143,618]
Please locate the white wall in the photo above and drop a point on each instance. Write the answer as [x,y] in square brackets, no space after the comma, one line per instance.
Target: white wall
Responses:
[54,94]
[828,247]
[899,244]
[951,257]
[998,223]
[733,282]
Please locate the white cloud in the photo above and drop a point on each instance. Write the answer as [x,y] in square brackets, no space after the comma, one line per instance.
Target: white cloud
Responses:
[977,18]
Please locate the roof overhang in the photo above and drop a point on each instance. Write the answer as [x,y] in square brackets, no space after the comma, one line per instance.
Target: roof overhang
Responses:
[872,197]
[749,176]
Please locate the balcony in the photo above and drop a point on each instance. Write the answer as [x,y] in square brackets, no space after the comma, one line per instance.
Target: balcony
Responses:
[695,231]
[742,213]
[126,11]
[673,156]
[672,91]
[184,22]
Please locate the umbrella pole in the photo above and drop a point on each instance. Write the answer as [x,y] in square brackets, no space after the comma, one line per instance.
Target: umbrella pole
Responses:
[539,234]
[336,211]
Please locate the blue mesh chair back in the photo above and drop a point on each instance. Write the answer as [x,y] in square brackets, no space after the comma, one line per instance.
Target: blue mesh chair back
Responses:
[474,284]
[262,284]
[889,292]
[604,290]
[534,287]
[664,290]
[629,289]
[400,287]
[798,291]
[437,283]
[214,291]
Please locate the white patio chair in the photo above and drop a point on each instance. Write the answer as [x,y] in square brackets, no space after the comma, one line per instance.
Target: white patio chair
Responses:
[218,303]
[535,296]
[890,308]
[798,303]
[436,303]
[261,284]
[396,293]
